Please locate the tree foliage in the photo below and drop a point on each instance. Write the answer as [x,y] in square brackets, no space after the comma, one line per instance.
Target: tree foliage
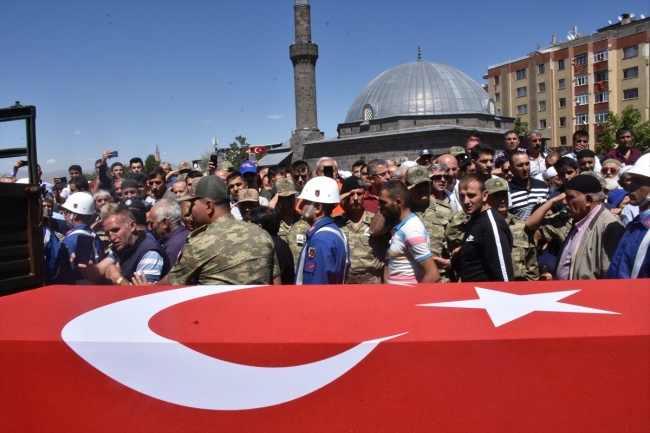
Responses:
[630,118]
[237,152]
[150,163]
[519,126]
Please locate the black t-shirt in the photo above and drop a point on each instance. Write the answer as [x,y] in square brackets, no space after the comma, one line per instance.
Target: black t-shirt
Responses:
[285,259]
[487,249]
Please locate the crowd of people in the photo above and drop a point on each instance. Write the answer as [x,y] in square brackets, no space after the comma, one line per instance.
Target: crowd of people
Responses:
[469,215]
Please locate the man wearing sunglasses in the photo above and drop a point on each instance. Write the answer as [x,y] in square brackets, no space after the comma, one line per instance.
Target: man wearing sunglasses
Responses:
[581,142]
[300,174]
[378,174]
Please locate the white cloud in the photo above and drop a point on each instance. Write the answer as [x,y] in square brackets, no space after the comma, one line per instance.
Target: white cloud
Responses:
[77,132]
[51,161]
[274,116]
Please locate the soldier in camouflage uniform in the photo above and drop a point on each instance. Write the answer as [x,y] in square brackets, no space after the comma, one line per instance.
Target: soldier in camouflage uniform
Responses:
[222,250]
[292,228]
[524,255]
[434,215]
[367,254]
[456,230]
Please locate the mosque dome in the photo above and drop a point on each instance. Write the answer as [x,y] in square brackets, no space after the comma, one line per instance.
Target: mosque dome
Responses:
[420,88]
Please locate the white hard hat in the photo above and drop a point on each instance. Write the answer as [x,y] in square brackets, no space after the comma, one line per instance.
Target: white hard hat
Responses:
[641,166]
[321,189]
[81,203]
[23,180]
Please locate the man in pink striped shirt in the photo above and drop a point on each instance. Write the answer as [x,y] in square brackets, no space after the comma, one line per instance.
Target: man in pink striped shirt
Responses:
[410,260]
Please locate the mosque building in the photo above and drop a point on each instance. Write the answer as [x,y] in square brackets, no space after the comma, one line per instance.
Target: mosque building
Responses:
[415,106]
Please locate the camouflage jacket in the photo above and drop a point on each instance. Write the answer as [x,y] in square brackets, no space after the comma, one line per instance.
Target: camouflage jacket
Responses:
[456,230]
[556,227]
[524,255]
[294,235]
[367,254]
[435,218]
[227,251]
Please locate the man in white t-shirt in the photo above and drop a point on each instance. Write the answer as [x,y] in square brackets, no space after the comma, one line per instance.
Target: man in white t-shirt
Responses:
[410,260]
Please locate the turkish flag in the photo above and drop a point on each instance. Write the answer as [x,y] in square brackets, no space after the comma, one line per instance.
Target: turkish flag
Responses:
[258,149]
[540,356]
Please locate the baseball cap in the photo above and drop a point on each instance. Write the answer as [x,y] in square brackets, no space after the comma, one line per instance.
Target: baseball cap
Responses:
[248,195]
[417,174]
[496,185]
[247,167]
[351,183]
[208,187]
[457,150]
[184,167]
[425,152]
[136,206]
[400,160]
[283,187]
[226,165]
[616,197]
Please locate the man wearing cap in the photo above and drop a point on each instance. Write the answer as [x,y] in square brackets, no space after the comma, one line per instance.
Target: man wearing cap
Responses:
[424,157]
[632,256]
[79,209]
[524,256]
[133,252]
[248,199]
[139,211]
[222,250]
[610,171]
[526,192]
[586,160]
[434,215]
[581,142]
[293,228]
[325,258]
[367,254]
[511,140]
[592,241]
[624,153]
[378,175]
[486,252]
[184,167]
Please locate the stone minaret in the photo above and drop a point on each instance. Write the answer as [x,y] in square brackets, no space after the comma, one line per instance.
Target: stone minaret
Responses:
[157,154]
[304,53]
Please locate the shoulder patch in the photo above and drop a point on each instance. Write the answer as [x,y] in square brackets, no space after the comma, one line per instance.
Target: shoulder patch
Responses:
[311,252]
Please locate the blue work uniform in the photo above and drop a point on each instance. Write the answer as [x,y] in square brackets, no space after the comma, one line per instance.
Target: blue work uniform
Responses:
[631,259]
[70,241]
[325,258]
[51,247]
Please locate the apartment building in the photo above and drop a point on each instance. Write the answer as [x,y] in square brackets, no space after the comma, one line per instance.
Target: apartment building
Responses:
[571,85]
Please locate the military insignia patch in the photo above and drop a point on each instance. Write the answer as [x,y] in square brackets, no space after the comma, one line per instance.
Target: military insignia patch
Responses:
[75,205]
[317,193]
[300,239]
[311,252]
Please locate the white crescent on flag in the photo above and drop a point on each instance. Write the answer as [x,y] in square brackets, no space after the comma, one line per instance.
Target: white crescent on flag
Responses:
[116,339]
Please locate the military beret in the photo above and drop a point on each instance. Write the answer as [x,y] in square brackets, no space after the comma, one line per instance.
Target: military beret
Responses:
[351,183]
[584,184]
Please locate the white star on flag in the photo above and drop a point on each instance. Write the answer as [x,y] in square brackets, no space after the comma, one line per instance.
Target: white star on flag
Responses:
[505,307]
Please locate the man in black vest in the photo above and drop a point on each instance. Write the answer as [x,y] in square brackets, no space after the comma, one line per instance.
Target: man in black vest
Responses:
[133,251]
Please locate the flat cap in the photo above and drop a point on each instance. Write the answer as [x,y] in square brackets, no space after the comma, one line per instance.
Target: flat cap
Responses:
[208,187]
[584,184]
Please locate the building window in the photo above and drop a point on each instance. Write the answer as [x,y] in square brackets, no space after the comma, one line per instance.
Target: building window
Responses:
[631,94]
[582,79]
[542,87]
[580,59]
[521,92]
[497,97]
[582,118]
[542,105]
[542,124]
[561,83]
[602,116]
[582,99]
[601,76]
[522,109]
[541,69]
[562,102]
[601,97]
[600,56]
[367,113]
[631,72]
[630,52]
[562,122]
[563,140]
[521,74]
[497,80]
[498,112]
[560,64]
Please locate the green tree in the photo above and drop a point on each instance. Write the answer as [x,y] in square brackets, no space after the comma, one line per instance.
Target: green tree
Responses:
[519,126]
[237,152]
[630,118]
[150,163]
[91,176]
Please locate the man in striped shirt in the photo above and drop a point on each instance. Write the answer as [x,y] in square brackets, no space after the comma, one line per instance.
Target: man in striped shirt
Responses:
[410,260]
[525,192]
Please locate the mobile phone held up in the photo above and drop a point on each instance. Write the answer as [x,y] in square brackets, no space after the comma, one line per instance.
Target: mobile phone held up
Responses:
[84,250]
[252,157]
[63,181]
[328,171]
[114,154]
[214,159]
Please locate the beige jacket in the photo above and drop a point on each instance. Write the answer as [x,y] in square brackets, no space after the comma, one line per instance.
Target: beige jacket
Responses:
[591,259]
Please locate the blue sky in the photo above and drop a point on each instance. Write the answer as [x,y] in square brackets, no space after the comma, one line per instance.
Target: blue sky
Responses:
[130,75]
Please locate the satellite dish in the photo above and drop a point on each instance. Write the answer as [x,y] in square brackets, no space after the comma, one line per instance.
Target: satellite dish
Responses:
[642,16]
[620,18]
[610,21]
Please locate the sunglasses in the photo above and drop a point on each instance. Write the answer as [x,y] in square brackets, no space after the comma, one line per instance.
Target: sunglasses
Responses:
[439,177]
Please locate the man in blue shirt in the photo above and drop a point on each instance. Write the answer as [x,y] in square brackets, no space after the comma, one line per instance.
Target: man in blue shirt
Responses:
[631,259]
[325,258]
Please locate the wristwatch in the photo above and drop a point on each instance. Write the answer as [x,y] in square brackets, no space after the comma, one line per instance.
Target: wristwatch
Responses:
[119,281]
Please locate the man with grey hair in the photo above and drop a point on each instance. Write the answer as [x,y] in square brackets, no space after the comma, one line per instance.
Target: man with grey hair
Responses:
[378,174]
[326,161]
[533,139]
[164,222]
